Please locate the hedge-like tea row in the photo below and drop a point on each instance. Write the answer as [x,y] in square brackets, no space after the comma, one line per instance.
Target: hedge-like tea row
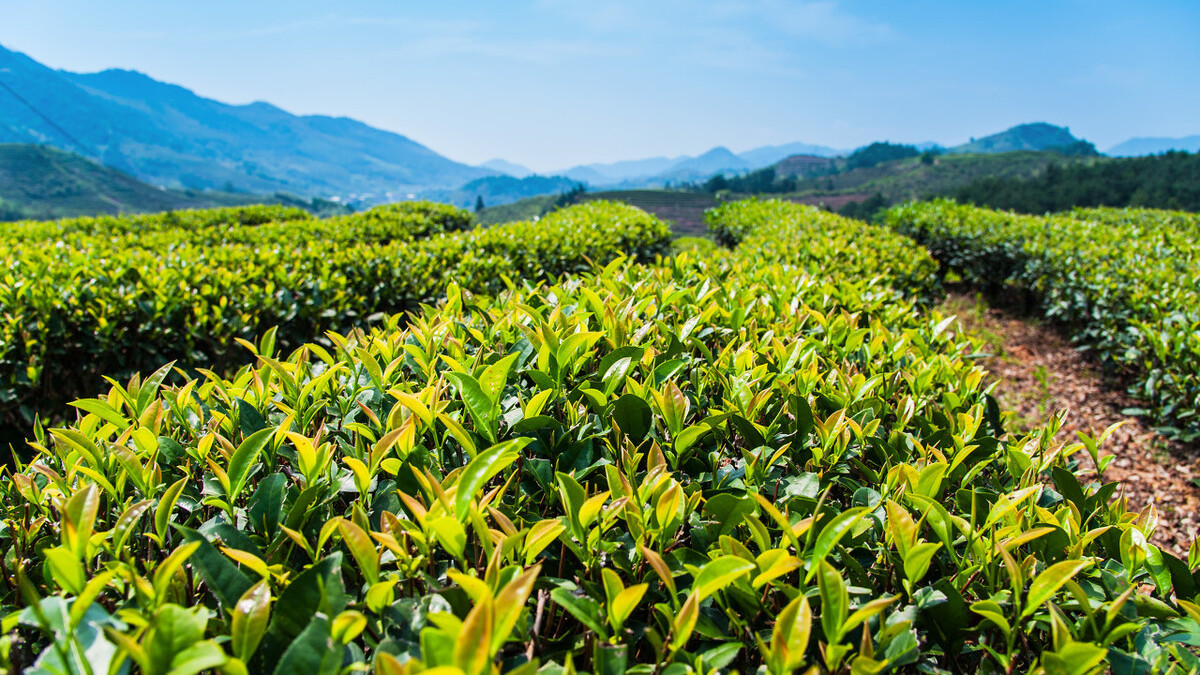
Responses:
[1126,282]
[69,315]
[803,239]
[134,224]
[1184,220]
[709,465]
[251,226]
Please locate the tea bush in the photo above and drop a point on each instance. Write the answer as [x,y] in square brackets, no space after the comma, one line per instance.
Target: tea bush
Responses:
[843,248]
[177,221]
[1121,217]
[707,464]
[250,226]
[1126,282]
[74,311]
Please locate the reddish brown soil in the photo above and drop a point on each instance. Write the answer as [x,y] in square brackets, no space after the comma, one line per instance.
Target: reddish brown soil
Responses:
[834,202]
[1041,372]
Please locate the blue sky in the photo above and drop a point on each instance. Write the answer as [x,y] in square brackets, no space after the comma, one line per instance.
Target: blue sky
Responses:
[553,84]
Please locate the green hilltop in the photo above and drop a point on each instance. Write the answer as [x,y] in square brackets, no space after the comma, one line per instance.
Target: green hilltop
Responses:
[43,182]
[1035,136]
[40,183]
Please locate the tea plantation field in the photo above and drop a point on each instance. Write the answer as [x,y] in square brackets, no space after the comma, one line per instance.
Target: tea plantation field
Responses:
[1125,282]
[390,443]
[90,298]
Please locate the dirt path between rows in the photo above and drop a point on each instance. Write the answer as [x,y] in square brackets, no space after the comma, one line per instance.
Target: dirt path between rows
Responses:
[1041,372]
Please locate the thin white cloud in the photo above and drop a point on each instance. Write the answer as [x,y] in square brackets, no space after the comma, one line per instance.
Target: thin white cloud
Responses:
[424,39]
[1108,75]
[268,30]
[755,36]
[734,51]
[601,15]
[823,21]
[544,52]
[763,37]
[408,25]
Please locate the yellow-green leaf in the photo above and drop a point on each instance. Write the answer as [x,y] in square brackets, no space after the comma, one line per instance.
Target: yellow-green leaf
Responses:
[1049,581]
[249,621]
[719,573]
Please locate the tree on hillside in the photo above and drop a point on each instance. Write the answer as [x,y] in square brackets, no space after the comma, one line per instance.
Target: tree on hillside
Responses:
[763,181]
[1169,181]
[571,196]
[1076,149]
[866,209]
[478,203]
[878,153]
[716,184]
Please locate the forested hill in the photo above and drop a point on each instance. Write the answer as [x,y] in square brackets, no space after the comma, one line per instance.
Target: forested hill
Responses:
[40,182]
[1167,181]
[43,183]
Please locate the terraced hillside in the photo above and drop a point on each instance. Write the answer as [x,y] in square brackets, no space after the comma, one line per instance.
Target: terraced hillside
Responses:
[911,179]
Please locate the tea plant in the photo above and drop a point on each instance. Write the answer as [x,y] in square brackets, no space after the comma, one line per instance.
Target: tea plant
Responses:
[109,305]
[759,460]
[1126,282]
[182,221]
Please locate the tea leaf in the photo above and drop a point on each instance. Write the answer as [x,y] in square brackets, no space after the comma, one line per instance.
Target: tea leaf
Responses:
[313,651]
[789,637]
[482,468]
[1049,581]
[584,609]
[719,573]
[830,535]
[249,620]
[244,459]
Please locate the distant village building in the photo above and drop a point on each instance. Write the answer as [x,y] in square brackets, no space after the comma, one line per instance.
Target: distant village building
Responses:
[803,166]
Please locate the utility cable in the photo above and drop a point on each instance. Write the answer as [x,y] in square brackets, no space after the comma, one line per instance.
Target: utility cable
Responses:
[86,151]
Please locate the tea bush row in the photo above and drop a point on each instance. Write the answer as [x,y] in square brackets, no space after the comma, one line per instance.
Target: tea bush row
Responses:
[1126,282]
[250,226]
[727,462]
[181,221]
[70,314]
[843,248]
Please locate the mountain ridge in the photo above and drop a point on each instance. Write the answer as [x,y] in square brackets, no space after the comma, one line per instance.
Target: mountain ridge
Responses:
[507,168]
[168,135]
[1141,146]
[659,170]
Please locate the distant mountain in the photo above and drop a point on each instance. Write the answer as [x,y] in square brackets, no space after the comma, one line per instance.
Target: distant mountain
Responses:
[41,182]
[586,175]
[497,190]
[770,154]
[615,172]
[717,160]
[167,135]
[1137,147]
[1036,136]
[507,168]
[660,170]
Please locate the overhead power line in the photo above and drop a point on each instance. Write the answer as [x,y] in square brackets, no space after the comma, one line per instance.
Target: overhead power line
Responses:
[45,118]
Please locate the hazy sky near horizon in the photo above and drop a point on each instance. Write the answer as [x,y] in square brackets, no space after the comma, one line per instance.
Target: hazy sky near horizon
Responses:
[550,84]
